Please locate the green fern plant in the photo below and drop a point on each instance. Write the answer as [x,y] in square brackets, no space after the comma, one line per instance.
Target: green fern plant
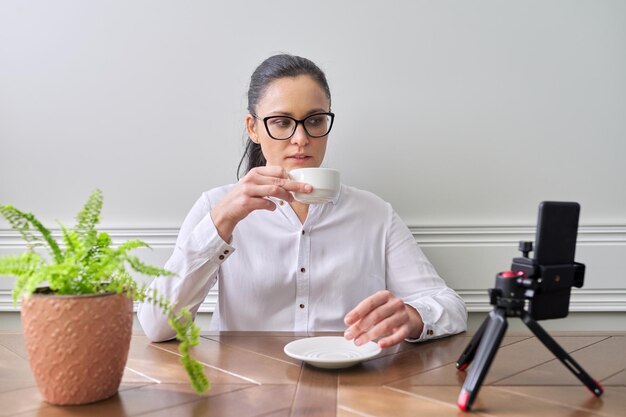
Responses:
[85,262]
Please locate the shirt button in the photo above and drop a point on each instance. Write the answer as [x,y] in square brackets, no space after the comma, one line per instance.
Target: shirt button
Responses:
[303,232]
[430,332]
[301,305]
[226,252]
[281,202]
[221,257]
[302,270]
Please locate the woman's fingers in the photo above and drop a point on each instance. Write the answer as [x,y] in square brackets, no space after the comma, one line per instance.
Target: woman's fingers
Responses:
[273,181]
[282,192]
[366,306]
[393,324]
[395,338]
[380,316]
[375,316]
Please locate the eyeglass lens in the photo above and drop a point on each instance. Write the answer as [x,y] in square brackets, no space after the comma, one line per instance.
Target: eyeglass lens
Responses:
[283,127]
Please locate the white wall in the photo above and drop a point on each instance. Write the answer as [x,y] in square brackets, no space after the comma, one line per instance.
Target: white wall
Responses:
[464,115]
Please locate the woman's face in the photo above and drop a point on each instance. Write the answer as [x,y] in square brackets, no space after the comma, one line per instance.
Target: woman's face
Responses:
[297,97]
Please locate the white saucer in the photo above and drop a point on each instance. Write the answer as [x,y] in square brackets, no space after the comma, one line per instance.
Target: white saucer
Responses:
[330,351]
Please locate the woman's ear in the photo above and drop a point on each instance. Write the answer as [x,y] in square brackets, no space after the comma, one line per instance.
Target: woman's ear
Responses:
[251,126]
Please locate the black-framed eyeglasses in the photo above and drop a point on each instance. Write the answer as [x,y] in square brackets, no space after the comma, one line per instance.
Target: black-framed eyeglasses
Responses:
[283,127]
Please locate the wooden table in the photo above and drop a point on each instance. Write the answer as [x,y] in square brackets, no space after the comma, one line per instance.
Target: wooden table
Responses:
[252,376]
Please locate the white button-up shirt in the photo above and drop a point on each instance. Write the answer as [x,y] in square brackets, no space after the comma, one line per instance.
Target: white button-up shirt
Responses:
[278,274]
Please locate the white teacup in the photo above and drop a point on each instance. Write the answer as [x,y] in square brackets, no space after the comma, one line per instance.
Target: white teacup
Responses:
[325,183]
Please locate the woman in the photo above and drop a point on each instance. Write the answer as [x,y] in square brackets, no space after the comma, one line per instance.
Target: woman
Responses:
[281,265]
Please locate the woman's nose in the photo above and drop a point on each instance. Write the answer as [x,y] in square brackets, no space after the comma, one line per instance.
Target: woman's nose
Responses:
[300,137]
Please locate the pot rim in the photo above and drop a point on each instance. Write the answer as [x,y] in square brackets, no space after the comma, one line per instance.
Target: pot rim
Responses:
[40,292]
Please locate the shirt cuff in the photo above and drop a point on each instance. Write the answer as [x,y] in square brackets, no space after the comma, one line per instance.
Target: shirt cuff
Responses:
[429,318]
[207,245]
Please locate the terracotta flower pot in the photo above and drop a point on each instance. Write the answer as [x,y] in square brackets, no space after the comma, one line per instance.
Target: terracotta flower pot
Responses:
[77,345]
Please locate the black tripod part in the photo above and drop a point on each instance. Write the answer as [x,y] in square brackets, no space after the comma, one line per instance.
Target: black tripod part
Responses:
[508,301]
[485,347]
[470,350]
[525,247]
[569,362]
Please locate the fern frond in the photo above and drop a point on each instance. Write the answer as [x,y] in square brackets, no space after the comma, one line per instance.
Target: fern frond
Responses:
[18,223]
[195,370]
[93,246]
[130,245]
[47,236]
[22,222]
[103,240]
[22,264]
[24,267]
[28,285]
[142,268]
[189,336]
[186,332]
[70,238]
[89,216]
[88,242]
[123,282]
[134,261]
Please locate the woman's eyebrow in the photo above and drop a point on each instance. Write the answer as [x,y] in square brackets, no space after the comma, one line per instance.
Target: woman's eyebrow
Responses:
[290,114]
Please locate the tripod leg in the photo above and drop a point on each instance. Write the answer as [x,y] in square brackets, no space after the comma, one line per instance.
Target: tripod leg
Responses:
[468,354]
[562,355]
[494,332]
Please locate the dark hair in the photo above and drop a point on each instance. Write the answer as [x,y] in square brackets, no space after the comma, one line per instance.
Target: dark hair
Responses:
[274,68]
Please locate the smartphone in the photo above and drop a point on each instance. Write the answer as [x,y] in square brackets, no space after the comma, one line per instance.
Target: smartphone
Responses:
[555,247]
[557,229]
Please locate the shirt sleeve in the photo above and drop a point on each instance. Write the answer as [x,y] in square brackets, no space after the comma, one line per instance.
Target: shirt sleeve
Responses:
[196,260]
[413,278]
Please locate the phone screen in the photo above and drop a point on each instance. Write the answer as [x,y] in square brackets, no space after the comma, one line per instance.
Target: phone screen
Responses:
[557,228]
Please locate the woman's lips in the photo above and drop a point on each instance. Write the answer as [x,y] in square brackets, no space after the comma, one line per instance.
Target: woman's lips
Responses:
[299,158]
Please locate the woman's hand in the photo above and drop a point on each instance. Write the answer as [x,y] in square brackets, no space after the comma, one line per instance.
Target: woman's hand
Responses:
[250,194]
[385,317]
